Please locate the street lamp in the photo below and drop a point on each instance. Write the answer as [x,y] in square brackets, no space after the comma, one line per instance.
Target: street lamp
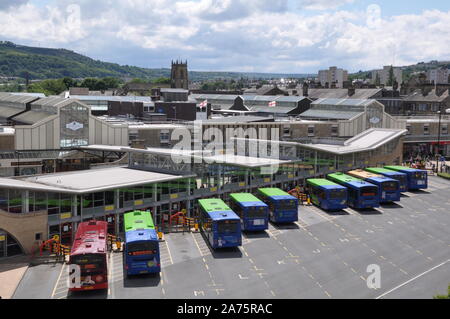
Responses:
[447,111]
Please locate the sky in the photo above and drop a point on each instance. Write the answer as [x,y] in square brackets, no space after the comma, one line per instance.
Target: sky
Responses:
[278,36]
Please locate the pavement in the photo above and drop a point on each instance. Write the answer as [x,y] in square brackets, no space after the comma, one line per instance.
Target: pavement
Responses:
[323,255]
[11,272]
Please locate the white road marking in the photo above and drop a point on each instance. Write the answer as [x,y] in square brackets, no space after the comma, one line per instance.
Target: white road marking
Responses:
[57,281]
[412,279]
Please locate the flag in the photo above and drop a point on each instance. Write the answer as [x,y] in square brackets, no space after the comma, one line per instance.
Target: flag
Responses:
[272,104]
[203,104]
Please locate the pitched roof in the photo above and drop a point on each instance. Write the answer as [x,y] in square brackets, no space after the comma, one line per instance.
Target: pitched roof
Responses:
[342,93]
[417,96]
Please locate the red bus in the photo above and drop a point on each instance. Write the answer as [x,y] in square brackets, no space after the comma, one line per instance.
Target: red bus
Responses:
[89,251]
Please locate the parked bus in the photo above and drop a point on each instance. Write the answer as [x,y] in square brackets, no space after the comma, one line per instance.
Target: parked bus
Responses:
[283,208]
[417,178]
[89,251]
[400,177]
[388,188]
[141,250]
[253,212]
[220,225]
[361,194]
[327,194]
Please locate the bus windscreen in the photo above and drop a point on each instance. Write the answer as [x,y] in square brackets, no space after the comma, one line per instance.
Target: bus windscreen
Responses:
[227,226]
[369,191]
[287,204]
[89,263]
[337,194]
[256,212]
[389,186]
[143,248]
[419,175]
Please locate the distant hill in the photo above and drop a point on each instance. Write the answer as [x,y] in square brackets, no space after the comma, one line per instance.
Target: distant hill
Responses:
[407,70]
[44,63]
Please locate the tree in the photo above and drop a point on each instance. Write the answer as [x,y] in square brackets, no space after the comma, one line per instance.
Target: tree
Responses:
[161,80]
[377,80]
[48,87]
[444,296]
[69,82]
[111,83]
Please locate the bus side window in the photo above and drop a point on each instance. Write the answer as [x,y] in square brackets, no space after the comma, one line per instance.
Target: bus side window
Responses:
[322,194]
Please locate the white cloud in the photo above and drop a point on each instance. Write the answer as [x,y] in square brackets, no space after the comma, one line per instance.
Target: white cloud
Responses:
[322,4]
[4,4]
[257,35]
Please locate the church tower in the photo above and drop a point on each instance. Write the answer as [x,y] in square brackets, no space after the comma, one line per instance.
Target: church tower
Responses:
[179,76]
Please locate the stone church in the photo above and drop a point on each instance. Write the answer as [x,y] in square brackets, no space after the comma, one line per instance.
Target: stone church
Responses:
[179,75]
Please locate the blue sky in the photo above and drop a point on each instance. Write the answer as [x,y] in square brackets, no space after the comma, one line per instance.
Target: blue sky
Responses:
[283,36]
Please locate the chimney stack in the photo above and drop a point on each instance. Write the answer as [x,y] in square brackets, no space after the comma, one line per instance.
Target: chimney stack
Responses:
[305,89]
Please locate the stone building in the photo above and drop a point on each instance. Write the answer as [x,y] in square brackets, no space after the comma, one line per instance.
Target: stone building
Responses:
[179,76]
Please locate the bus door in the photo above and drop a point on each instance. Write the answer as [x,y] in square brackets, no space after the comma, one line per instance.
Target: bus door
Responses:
[66,233]
[111,219]
[121,224]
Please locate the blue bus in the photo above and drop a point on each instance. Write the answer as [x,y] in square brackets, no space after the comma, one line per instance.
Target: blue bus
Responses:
[388,188]
[254,213]
[219,224]
[326,194]
[361,194]
[417,178]
[141,250]
[283,208]
[400,177]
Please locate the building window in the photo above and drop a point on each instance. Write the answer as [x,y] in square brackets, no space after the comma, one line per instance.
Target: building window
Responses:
[334,130]
[74,128]
[426,129]
[444,129]
[311,130]
[164,137]
[286,131]
[408,128]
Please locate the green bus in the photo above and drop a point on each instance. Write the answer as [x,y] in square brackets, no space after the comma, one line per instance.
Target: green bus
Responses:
[361,194]
[283,207]
[253,212]
[138,220]
[327,194]
[219,224]
[141,249]
[400,177]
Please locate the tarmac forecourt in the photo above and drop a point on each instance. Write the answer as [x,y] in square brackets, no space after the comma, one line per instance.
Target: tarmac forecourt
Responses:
[323,255]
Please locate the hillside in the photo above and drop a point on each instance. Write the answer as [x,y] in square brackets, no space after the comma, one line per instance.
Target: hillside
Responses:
[407,70]
[45,63]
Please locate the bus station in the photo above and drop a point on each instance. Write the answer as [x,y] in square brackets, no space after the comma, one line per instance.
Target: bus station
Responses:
[274,263]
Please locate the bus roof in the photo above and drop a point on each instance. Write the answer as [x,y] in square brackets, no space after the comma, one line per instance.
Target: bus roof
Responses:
[138,220]
[214,205]
[382,170]
[247,200]
[223,215]
[344,178]
[140,235]
[245,197]
[381,179]
[359,173]
[400,168]
[323,182]
[90,238]
[273,192]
